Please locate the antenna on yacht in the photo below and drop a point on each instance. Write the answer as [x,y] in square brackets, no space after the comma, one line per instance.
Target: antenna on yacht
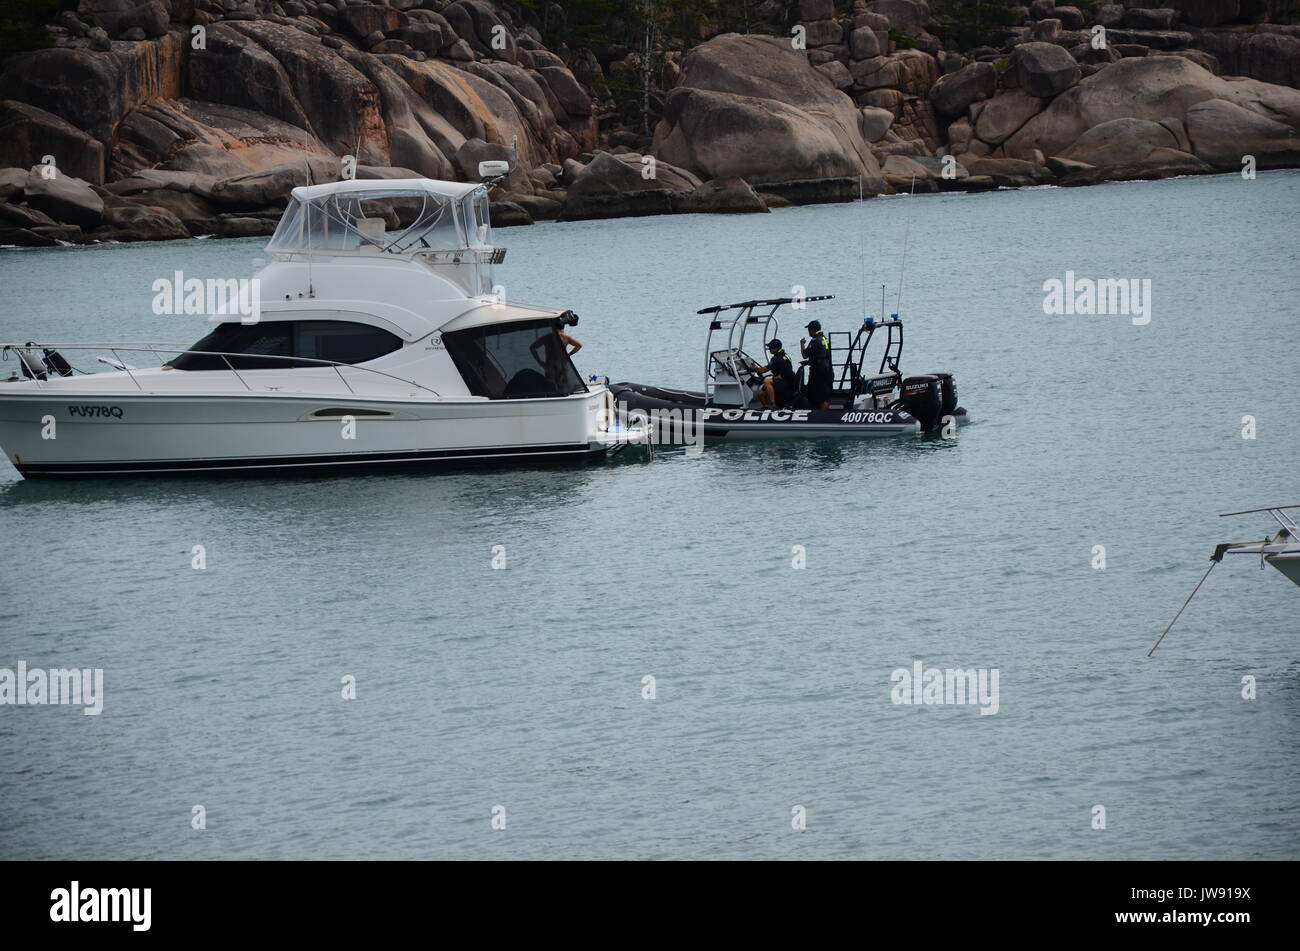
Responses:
[907,228]
[311,290]
[862,266]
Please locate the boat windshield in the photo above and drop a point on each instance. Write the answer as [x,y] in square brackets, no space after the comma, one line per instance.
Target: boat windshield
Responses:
[397,221]
[520,360]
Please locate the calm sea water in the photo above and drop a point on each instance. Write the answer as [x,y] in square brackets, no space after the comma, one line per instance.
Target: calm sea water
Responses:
[522,688]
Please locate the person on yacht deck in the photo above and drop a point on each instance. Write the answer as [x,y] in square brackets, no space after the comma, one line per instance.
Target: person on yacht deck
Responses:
[568,341]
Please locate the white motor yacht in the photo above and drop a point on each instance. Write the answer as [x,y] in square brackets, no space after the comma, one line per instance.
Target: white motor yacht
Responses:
[373,341]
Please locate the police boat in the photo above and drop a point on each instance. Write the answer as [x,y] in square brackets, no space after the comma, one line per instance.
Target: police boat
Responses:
[732,405]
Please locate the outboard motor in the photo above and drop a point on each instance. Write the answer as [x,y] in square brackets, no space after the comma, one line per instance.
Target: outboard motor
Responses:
[923,398]
[948,391]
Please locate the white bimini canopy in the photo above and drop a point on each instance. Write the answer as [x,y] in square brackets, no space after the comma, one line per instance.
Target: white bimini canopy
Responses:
[394,216]
[453,190]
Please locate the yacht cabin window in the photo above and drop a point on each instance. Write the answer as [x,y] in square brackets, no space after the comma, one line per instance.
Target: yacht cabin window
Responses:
[339,341]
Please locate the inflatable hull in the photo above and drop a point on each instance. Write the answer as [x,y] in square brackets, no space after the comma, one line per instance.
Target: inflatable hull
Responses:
[665,409]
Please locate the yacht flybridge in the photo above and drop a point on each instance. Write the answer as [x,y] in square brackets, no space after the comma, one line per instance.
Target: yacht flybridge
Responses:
[374,343]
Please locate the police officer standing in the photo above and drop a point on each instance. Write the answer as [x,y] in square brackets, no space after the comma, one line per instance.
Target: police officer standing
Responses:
[817,357]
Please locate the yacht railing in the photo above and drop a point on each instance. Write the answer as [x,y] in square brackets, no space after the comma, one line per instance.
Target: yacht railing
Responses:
[1286,521]
[35,350]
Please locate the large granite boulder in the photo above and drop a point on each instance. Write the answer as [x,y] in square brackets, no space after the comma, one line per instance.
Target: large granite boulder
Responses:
[823,33]
[864,43]
[1002,116]
[1271,57]
[1141,18]
[874,122]
[363,19]
[1222,133]
[751,107]
[64,198]
[566,89]
[270,186]
[25,238]
[611,187]
[264,84]
[810,10]
[22,216]
[406,119]
[909,16]
[1008,172]
[29,134]
[530,95]
[1071,18]
[902,172]
[1125,142]
[12,181]
[1046,31]
[426,37]
[94,90]
[130,221]
[211,142]
[151,17]
[911,72]
[478,24]
[454,105]
[1080,173]
[723,196]
[1110,14]
[1207,12]
[1044,70]
[837,74]
[953,94]
[1150,87]
[157,179]
[196,214]
[341,106]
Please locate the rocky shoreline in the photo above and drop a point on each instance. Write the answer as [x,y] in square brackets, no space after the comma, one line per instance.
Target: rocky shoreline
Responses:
[161,119]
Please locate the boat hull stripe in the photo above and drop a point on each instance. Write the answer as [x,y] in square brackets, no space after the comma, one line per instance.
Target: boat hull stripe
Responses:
[283,464]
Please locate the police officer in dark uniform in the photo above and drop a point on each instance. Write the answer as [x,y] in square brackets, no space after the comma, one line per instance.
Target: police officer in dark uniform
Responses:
[779,389]
[817,357]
